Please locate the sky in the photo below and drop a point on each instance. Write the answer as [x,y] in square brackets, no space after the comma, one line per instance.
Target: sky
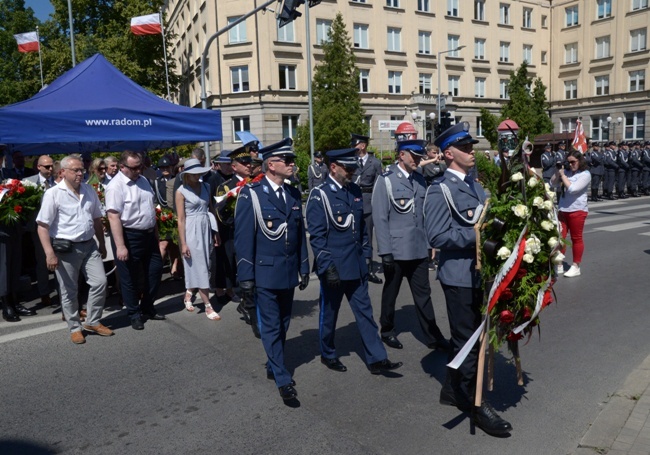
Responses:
[42,8]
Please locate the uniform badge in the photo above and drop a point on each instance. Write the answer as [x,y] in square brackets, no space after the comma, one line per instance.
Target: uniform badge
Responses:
[402,202]
[399,174]
[470,213]
[269,224]
[339,219]
[266,189]
[332,187]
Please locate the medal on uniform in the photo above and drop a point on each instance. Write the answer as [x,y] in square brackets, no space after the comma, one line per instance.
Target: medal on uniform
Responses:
[399,174]
[269,224]
[470,213]
[332,187]
[339,219]
[402,202]
[266,190]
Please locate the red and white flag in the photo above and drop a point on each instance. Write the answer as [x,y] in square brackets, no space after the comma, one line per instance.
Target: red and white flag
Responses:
[146,25]
[27,42]
[579,140]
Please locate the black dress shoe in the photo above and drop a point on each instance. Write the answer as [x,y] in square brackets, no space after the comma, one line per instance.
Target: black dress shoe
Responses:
[287,392]
[155,317]
[333,364]
[383,365]
[441,344]
[392,341]
[9,315]
[22,311]
[374,278]
[137,323]
[450,398]
[487,419]
[241,310]
[271,376]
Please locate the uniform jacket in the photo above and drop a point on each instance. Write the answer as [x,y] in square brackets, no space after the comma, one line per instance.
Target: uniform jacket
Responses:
[398,233]
[622,160]
[316,174]
[610,159]
[645,159]
[548,164]
[454,237]
[634,159]
[346,249]
[597,163]
[365,177]
[225,209]
[272,264]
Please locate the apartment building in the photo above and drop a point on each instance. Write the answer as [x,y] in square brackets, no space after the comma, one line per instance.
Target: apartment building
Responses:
[591,54]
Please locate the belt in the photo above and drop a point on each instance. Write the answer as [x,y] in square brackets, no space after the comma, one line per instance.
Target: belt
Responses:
[139,231]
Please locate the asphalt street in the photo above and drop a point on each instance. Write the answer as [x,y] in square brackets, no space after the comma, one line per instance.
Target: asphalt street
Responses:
[189,385]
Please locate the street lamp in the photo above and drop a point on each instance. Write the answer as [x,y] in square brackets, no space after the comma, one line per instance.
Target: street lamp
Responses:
[610,123]
[440,69]
[416,118]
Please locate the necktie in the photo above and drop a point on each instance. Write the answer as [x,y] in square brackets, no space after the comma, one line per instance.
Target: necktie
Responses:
[360,163]
[470,183]
[281,194]
[47,183]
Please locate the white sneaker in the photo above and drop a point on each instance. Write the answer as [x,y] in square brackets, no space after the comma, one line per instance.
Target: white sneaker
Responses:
[559,269]
[573,271]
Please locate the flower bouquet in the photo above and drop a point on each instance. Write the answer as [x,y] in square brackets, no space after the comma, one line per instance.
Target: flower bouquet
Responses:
[226,201]
[19,200]
[167,226]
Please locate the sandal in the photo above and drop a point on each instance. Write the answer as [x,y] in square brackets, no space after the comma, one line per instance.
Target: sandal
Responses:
[211,314]
[188,301]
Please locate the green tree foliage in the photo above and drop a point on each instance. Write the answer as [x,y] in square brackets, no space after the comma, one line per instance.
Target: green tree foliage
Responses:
[527,105]
[337,106]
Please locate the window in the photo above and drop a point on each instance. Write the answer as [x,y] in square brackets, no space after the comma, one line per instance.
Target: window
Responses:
[479,10]
[395,117]
[528,18]
[454,85]
[637,81]
[392,3]
[452,8]
[602,47]
[289,125]
[424,6]
[528,54]
[358,1]
[639,4]
[504,13]
[240,124]
[571,15]
[394,82]
[364,81]
[599,128]
[453,41]
[570,90]
[571,53]
[543,57]
[634,125]
[424,42]
[479,87]
[361,36]
[237,34]
[322,31]
[504,52]
[394,39]
[287,34]
[425,84]
[479,127]
[566,125]
[239,78]
[503,89]
[287,77]
[544,21]
[603,9]
[479,49]
[602,85]
[638,40]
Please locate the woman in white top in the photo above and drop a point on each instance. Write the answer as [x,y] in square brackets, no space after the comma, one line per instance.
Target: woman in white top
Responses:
[573,208]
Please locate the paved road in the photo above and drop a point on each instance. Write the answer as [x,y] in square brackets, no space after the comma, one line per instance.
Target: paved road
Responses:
[189,385]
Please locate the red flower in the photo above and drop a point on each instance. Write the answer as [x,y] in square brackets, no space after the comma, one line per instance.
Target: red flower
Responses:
[512,336]
[506,317]
[527,314]
[158,210]
[18,208]
[506,294]
[520,274]
[548,299]
[20,189]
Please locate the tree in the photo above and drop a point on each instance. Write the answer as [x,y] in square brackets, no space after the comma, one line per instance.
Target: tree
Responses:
[337,106]
[527,105]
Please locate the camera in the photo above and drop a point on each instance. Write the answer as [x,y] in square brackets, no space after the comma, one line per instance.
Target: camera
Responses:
[558,164]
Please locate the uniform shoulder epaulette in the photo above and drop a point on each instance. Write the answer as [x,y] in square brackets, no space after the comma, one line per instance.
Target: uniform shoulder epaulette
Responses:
[387,173]
[253,184]
[438,181]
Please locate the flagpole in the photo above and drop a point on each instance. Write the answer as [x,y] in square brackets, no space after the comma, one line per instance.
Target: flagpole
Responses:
[74,60]
[40,59]
[162,29]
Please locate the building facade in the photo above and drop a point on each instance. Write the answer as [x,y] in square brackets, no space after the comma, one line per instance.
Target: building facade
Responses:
[592,56]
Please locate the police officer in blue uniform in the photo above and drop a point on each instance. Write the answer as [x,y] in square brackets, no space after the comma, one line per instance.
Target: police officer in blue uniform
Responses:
[611,167]
[548,163]
[453,206]
[623,170]
[316,172]
[272,255]
[398,215]
[339,241]
[596,169]
[645,172]
[636,167]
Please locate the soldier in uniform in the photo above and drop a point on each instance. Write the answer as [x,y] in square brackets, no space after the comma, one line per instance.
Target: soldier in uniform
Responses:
[636,167]
[560,154]
[645,173]
[548,163]
[221,170]
[623,169]
[272,255]
[365,176]
[597,170]
[453,206]
[316,172]
[398,214]
[339,241]
[241,165]
[611,167]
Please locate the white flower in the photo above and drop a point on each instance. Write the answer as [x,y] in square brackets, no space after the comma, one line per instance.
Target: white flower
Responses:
[557,258]
[529,258]
[533,245]
[553,242]
[532,182]
[503,253]
[516,177]
[546,225]
[538,202]
[29,183]
[547,187]
[548,205]
[551,195]
[521,210]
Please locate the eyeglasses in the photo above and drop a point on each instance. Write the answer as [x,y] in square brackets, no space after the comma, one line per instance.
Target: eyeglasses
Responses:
[285,160]
[47,166]
[133,168]
[75,170]
[101,168]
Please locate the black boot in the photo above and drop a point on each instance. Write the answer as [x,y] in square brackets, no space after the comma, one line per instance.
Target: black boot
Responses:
[19,308]
[8,312]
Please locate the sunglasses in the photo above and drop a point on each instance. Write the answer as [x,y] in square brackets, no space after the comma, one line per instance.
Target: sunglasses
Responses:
[572,161]
[101,168]
[133,168]
[285,160]
[47,166]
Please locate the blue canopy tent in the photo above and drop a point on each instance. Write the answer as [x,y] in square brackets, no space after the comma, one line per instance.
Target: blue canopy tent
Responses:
[95,108]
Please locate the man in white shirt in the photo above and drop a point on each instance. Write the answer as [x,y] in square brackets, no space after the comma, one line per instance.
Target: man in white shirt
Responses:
[70,215]
[130,206]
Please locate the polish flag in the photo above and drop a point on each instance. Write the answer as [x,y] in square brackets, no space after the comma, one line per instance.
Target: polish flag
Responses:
[146,25]
[27,42]
[579,140]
